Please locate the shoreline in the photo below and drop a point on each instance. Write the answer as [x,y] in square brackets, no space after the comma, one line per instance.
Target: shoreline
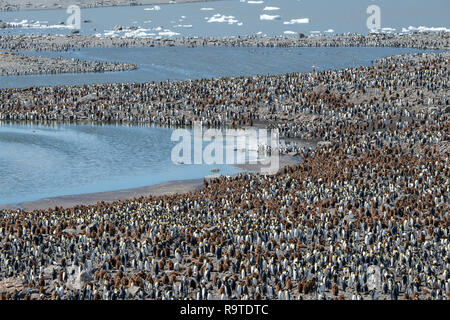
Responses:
[161,189]
[68,201]
[21,5]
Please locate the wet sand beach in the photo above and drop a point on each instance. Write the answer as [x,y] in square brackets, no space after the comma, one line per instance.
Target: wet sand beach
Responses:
[167,188]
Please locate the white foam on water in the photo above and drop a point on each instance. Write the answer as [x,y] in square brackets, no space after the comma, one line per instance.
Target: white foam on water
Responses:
[269,17]
[239,24]
[271,9]
[297,21]
[329,31]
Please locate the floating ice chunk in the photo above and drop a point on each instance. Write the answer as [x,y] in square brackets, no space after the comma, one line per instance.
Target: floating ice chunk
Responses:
[289,32]
[254,2]
[271,9]
[297,21]
[222,18]
[206,9]
[329,31]
[387,30]
[183,26]
[155,8]
[425,29]
[168,33]
[239,24]
[269,17]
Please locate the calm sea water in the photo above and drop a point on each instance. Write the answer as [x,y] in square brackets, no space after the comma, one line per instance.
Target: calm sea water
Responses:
[233,18]
[39,161]
[181,63]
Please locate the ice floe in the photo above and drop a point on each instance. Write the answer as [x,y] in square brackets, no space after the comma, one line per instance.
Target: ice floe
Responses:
[329,31]
[387,30]
[425,29]
[271,9]
[255,2]
[269,17]
[168,33]
[155,8]
[206,9]
[222,18]
[183,26]
[297,21]
[289,32]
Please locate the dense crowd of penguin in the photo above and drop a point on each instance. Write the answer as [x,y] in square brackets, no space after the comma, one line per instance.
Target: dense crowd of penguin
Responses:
[420,40]
[363,216]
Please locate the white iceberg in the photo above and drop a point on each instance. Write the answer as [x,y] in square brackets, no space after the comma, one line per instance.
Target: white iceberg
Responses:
[297,21]
[271,9]
[155,8]
[168,33]
[425,29]
[222,18]
[269,17]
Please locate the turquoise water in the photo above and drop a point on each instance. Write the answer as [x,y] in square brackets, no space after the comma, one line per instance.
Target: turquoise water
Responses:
[234,18]
[40,161]
[181,63]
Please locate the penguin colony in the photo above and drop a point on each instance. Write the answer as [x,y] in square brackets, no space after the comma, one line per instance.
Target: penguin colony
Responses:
[364,216]
[63,43]
[12,64]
